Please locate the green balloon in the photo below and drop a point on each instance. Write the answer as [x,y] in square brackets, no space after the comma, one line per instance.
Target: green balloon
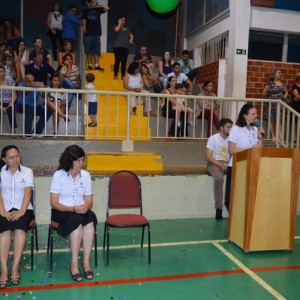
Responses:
[162,6]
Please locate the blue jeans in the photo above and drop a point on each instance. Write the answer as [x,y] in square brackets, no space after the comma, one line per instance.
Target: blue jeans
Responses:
[68,84]
[29,116]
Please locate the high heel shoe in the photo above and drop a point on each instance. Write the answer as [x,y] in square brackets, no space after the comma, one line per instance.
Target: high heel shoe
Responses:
[3,284]
[15,280]
[76,277]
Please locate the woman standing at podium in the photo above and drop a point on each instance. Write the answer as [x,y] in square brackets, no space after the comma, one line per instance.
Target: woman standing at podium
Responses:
[243,135]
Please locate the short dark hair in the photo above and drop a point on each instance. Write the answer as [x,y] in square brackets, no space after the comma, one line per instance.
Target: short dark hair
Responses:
[185,52]
[178,86]
[70,154]
[132,67]
[241,121]
[36,53]
[224,121]
[206,83]
[72,6]
[90,77]
[176,64]
[36,38]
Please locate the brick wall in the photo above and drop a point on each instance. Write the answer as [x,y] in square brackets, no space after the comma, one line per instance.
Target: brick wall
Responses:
[208,72]
[259,71]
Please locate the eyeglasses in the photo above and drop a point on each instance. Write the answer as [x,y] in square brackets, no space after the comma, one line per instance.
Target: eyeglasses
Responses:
[13,157]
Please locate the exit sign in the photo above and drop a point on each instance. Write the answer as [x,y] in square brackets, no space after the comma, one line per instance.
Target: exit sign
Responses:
[241,51]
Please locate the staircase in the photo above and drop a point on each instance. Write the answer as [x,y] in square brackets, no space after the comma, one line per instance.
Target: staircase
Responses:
[112,110]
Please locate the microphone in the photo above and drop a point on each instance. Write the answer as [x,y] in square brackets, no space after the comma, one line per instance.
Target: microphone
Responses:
[257,124]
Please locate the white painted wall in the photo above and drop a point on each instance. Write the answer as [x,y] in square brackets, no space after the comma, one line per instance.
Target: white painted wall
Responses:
[274,19]
[164,197]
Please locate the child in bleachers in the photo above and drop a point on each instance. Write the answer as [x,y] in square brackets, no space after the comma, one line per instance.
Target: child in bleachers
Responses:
[91,99]
[180,106]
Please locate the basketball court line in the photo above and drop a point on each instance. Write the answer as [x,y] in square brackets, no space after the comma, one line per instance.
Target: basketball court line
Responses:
[248,271]
[216,243]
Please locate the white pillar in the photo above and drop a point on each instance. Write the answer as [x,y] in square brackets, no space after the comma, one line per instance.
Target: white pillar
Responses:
[240,11]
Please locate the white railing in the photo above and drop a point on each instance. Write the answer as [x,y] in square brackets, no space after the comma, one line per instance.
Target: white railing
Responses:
[116,121]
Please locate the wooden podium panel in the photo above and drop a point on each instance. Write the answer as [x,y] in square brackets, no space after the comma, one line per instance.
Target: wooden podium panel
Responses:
[264,191]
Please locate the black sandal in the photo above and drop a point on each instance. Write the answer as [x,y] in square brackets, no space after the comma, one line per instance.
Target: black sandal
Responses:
[88,275]
[15,280]
[3,284]
[76,277]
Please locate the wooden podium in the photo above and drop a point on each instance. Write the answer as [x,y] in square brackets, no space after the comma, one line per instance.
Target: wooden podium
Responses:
[264,192]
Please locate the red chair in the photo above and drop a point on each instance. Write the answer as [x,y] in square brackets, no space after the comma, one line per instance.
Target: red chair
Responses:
[124,192]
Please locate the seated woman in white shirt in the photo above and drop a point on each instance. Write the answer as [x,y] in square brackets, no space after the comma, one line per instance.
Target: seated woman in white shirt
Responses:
[132,82]
[71,198]
[16,211]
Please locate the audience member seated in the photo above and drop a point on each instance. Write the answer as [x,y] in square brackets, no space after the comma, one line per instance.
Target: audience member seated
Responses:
[168,111]
[67,49]
[187,65]
[71,77]
[21,56]
[41,71]
[182,78]
[11,72]
[71,199]
[8,99]
[165,67]
[56,102]
[181,106]
[38,47]
[16,212]
[143,55]
[31,102]
[54,22]
[204,107]
[132,82]
[149,80]
[3,48]
[12,34]
[70,24]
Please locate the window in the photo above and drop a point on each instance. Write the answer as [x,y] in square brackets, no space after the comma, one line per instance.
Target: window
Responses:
[265,45]
[294,48]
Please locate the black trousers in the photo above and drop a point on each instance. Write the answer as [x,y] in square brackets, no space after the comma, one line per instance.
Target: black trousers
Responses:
[54,38]
[228,188]
[121,55]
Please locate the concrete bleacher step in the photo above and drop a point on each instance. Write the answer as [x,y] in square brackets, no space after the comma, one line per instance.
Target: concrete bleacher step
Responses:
[112,112]
[108,163]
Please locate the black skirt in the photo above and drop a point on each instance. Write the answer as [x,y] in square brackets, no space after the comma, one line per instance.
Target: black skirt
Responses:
[69,221]
[21,223]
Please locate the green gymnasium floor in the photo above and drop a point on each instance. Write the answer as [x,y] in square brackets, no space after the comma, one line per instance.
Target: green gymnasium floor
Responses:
[191,259]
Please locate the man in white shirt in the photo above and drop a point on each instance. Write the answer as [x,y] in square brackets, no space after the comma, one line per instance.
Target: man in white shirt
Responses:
[181,78]
[217,157]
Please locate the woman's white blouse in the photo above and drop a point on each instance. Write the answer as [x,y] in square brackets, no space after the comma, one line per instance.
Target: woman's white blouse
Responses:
[243,137]
[71,191]
[13,186]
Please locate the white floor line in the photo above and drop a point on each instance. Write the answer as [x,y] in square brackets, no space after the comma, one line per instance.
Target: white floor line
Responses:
[100,248]
[249,272]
